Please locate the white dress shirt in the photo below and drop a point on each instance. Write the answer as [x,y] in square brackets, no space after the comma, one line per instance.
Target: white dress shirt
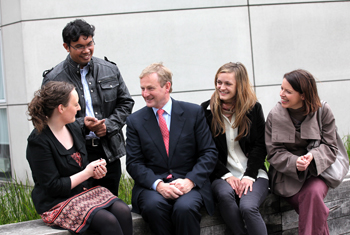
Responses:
[236,159]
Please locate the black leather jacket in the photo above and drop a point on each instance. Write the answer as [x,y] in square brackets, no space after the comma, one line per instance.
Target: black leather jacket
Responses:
[114,103]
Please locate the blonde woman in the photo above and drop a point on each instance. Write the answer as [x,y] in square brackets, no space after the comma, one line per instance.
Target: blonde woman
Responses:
[236,119]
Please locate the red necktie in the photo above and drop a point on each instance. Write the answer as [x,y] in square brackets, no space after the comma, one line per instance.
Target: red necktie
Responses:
[164,129]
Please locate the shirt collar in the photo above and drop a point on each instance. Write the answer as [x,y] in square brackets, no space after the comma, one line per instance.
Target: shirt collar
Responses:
[86,68]
[167,108]
[228,120]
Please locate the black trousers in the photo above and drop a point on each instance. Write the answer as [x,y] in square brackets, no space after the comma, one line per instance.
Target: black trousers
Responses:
[112,178]
[167,217]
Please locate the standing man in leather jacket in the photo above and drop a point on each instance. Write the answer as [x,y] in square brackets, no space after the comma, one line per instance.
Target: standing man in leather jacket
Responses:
[103,96]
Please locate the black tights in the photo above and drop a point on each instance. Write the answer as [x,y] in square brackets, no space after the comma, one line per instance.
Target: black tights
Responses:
[115,219]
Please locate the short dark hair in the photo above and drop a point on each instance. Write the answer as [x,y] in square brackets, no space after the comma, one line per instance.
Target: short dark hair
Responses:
[303,82]
[75,29]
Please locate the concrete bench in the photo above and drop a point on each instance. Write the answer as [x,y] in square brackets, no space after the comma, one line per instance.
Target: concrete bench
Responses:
[279,217]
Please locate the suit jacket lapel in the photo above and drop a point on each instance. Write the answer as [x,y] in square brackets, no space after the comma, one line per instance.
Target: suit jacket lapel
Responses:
[153,130]
[176,126]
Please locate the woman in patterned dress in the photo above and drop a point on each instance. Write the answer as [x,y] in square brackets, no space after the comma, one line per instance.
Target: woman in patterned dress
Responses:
[57,156]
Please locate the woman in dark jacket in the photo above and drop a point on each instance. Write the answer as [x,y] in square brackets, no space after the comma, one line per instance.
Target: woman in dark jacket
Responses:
[236,119]
[56,153]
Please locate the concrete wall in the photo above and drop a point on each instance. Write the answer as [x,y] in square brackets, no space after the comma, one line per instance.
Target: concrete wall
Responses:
[192,38]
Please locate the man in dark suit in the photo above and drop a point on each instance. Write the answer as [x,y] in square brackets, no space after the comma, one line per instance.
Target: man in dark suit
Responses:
[170,156]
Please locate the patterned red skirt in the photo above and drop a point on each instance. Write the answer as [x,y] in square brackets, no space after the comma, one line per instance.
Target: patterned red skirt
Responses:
[75,213]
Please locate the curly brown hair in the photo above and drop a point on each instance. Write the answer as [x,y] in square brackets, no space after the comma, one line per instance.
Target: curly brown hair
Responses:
[45,100]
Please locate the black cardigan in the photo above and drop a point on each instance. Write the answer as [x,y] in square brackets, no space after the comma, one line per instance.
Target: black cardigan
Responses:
[52,166]
[252,145]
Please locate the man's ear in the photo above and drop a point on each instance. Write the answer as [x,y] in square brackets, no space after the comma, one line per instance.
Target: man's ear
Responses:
[168,86]
[65,45]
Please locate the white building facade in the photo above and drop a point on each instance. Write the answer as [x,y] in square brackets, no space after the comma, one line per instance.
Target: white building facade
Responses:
[192,38]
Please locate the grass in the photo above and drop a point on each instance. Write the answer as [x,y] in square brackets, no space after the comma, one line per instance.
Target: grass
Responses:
[346,141]
[16,203]
[125,187]
[267,164]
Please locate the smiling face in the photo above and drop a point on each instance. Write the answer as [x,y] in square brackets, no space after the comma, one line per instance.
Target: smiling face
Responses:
[226,86]
[154,95]
[78,55]
[289,97]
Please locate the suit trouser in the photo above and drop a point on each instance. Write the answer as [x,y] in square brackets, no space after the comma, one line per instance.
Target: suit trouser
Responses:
[180,216]
[242,215]
[308,203]
[112,178]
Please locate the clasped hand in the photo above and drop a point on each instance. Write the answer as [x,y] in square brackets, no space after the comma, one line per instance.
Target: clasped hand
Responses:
[175,188]
[97,169]
[95,125]
[240,186]
[304,161]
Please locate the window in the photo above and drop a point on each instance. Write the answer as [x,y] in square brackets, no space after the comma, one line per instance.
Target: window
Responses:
[2,84]
[5,163]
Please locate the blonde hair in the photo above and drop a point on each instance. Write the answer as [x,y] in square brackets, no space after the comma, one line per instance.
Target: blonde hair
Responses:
[164,74]
[244,101]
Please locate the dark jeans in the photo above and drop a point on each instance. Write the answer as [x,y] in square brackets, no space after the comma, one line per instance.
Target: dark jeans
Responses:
[112,178]
[242,216]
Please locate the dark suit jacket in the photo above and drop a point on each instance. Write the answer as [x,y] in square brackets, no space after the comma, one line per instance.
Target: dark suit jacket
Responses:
[252,145]
[192,152]
[52,165]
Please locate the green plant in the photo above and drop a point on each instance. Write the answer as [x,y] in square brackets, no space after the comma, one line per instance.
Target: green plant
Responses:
[125,187]
[16,202]
[267,164]
[346,140]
